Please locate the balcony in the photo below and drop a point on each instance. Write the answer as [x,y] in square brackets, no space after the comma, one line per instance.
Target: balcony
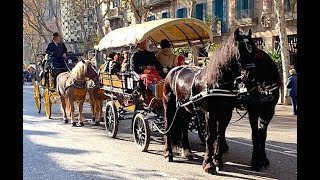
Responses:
[116,12]
[156,3]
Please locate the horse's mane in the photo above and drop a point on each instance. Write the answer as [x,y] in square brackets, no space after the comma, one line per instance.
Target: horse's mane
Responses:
[79,71]
[220,59]
[267,69]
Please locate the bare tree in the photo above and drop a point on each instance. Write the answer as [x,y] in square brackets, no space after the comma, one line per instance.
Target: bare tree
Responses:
[190,6]
[284,45]
[139,10]
[55,14]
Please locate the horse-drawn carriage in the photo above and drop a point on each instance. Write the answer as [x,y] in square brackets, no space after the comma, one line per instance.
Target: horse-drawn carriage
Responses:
[44,86]
[122,89]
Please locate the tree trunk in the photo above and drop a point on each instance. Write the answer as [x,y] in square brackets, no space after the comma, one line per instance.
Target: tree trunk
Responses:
[56,18]
[100,18]
[284,45]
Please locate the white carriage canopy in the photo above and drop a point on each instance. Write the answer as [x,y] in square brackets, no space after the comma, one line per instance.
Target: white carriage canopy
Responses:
[180,32]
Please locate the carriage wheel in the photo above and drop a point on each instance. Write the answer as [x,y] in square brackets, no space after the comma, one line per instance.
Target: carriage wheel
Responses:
[47,103]
[37,96]
[111,119]
[141,132]
[201,128]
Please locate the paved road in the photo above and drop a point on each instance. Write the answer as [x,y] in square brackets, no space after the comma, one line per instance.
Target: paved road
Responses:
[53,150]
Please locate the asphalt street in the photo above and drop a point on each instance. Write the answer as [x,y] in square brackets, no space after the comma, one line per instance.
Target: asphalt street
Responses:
[54,150]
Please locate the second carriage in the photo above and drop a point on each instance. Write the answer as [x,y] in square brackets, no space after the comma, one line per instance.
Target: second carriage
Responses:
[122,89]
[44,85]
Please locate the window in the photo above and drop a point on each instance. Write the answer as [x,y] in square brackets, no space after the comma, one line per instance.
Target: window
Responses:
[244,9]
[115,3]
[165,15]
[219,9]
[151,18]
[182,13]
[200,11]
[287,6]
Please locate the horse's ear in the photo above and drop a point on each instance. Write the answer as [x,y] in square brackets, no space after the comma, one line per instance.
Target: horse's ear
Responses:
[236,33]
[250,33]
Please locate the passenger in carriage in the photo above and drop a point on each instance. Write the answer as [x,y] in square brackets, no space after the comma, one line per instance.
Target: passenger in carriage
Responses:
[166,57]
[143,59]
[125,63]
[146,65]
[113,64]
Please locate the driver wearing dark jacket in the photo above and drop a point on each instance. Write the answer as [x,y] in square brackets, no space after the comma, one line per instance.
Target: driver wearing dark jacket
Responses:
[57,50]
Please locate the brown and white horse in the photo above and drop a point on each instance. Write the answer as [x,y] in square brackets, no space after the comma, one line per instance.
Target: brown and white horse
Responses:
[72,87]
[97,97]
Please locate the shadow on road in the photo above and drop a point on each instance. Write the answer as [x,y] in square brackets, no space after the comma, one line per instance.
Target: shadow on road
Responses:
[37,164]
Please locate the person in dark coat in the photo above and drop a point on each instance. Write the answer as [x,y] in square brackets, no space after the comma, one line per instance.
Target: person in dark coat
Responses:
[57,50]
[292,89]
[112,64]
[143,58]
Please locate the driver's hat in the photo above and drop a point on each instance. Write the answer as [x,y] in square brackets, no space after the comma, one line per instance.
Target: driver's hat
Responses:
[56,34]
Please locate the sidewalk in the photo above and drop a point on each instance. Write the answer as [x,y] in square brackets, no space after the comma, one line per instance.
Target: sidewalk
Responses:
[284,110]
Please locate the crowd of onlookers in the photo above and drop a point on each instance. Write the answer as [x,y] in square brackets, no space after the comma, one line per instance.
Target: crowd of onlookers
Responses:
[29,74]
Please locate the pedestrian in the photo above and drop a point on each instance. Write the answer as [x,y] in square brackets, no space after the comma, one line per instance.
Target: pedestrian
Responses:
[292,89]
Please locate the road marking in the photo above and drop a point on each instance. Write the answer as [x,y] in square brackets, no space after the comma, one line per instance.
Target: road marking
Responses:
[281,147]
[272,150]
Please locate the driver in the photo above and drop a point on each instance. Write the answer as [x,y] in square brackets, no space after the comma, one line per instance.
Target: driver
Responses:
[58,52]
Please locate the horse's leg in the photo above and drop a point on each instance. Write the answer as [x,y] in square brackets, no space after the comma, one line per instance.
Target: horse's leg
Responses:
[169,110]
[63,109]
[97,111]
[256,158]
[186,149]
[71,104]
[263,126]
[93,111]
[223,118]
[210,137]
[80,107]
[223,124]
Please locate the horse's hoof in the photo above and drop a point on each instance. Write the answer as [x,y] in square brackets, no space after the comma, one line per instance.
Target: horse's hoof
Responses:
[81,124]
[66,121]
[224,148]
[219,168]
[169,159]
[93,119]
[266,162]
[190,158]
[256,166]
[210,169]
[74,124]
[96,123]
[219,165]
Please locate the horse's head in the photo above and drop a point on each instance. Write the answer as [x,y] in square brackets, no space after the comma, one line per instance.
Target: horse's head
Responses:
[247,53]
[91,73]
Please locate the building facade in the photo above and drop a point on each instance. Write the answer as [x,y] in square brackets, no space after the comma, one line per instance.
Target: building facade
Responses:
[224,16]
[78,27]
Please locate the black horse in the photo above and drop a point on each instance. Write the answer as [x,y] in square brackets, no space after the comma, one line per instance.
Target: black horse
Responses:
[210,91]
[263,96]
